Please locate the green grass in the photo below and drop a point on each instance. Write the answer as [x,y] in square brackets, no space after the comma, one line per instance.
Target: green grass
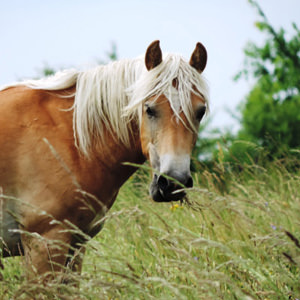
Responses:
[238,244]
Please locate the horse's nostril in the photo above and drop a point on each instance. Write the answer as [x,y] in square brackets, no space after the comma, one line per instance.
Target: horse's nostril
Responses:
[189,182]
[162,183]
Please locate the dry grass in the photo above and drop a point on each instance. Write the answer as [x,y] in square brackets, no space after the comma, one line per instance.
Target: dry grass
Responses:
[242,244]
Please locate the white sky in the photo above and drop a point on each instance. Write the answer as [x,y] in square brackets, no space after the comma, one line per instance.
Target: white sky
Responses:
[68,33]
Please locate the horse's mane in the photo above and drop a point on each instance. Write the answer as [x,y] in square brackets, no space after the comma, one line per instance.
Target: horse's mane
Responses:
[111,95]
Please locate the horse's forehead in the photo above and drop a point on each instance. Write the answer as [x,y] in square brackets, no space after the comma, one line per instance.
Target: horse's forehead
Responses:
[171,99]
[163,102]
[172,95]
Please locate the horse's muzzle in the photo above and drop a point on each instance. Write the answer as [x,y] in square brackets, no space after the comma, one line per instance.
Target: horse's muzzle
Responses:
[164,190]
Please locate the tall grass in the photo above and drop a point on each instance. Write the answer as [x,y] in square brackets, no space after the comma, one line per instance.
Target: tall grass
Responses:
[241,242]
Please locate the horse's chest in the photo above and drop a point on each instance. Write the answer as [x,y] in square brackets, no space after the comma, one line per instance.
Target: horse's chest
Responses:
[92,224]
[96,225]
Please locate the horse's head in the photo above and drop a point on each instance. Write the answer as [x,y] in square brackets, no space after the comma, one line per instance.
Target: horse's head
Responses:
[169,123]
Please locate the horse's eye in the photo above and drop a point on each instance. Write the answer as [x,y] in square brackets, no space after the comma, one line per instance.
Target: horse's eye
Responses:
[150,112]
[200,113]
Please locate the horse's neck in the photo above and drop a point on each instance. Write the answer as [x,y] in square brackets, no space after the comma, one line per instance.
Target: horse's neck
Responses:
[118,157]
[108,167]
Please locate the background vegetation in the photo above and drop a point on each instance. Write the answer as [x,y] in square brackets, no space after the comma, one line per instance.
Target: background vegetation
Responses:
[270,118]
[236,236]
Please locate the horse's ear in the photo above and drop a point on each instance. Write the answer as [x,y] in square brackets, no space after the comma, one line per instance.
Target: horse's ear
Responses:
[153,55]
[199,58]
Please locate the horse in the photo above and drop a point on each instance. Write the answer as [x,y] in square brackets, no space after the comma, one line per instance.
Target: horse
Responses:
[69,142]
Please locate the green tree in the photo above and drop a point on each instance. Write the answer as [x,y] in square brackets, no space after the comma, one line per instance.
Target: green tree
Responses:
[271,112]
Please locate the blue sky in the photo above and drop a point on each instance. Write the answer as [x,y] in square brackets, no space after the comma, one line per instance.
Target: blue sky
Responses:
[65,33]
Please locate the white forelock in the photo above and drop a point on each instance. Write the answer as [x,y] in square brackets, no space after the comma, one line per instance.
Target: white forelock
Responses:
[159,81]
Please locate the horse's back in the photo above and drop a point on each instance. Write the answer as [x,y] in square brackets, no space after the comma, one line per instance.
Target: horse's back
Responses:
[27,117]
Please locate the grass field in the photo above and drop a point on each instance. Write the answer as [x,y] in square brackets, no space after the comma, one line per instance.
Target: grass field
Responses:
[237,242]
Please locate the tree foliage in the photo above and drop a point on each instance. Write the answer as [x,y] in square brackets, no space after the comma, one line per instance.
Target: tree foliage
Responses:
[271,113]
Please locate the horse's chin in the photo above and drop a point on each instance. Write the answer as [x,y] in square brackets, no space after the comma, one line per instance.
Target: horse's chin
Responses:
[159,196]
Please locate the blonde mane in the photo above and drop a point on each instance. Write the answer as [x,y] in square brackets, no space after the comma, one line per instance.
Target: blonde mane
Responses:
[110,96]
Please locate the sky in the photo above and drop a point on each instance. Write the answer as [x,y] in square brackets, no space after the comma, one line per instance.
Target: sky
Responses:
[79,33]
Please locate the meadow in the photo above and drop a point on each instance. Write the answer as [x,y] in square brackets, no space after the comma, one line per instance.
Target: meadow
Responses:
[236,237]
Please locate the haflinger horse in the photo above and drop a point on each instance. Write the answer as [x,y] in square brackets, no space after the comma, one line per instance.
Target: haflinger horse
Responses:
[65,139]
